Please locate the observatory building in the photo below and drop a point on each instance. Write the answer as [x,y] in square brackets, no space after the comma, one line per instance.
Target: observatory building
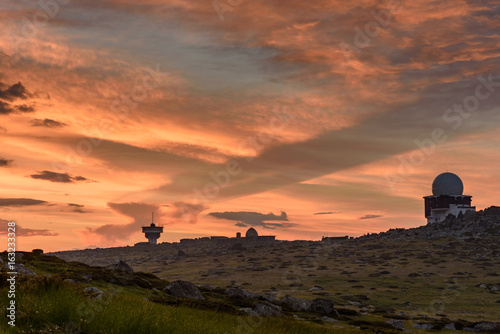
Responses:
[152,232]
[447,198]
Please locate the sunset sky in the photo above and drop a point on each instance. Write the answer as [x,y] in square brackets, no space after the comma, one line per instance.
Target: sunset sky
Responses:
[302,119]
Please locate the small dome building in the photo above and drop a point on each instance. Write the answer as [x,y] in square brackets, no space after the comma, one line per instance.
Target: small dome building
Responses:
[251,233]
[447,198]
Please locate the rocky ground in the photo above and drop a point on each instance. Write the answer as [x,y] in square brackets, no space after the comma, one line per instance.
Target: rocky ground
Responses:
[441,276]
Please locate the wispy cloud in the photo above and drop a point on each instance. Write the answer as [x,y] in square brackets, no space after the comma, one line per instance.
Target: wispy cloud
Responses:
[58,177]
[370,216]
[254,219]
[25,232]
[48,123]
[4,202]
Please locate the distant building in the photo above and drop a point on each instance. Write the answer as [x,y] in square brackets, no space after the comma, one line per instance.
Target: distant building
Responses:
[251,236]
[447,198]
[334,239]
[152,232]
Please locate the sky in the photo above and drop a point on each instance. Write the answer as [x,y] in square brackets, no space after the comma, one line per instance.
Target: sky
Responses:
[301,119]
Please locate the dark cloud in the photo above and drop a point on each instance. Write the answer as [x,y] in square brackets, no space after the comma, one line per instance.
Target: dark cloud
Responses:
[24,232]
[188,212]
[58,177]
[25,108]
[14,92]
[369,216]
[20,202]
[5,162]
[138,213]
[5,108]
[48,123]
[253,218]
[78,208]
[327,212]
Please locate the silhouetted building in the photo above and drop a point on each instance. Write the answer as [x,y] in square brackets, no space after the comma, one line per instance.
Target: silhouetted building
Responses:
[152,232]
[447,198]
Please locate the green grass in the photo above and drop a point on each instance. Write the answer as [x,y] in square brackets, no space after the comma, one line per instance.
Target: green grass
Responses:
[50,305]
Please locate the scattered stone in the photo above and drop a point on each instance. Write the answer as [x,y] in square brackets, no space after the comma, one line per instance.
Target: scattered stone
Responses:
[328,319]
[316,288]
[296,304]
[184,289]
[266,310]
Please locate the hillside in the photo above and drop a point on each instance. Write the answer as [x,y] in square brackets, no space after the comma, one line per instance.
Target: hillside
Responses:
[438,277]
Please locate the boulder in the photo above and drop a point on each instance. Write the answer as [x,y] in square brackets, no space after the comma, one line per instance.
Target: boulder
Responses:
[322,306]
[121,266]
[267,310]
[235,292]
[22,270]
[94,291]
[184,289]
[249,311]
[216,271]
[296,304]
[396,324]
[486,326]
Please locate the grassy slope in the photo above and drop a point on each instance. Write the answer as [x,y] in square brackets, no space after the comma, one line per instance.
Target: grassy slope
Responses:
[48,304]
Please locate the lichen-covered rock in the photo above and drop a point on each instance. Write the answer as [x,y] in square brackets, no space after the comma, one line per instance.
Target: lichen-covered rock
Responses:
[322,306]
[267,310]
[296,304]
[184,289]
[121,266]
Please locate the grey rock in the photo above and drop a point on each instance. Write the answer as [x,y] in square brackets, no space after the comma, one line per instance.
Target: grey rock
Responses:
[235,292]
[486,326]
[216,271]
[316,288]
[296,304]
[450,326]
[269,296]
[470,329]
[19,255]
[396,324]
[206,286]
[94,291]
[328,319]
[184,289]
[121,266]
[267,310]
[21,269]
[423,326]
[69,280]
[322,306]
[249,311]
